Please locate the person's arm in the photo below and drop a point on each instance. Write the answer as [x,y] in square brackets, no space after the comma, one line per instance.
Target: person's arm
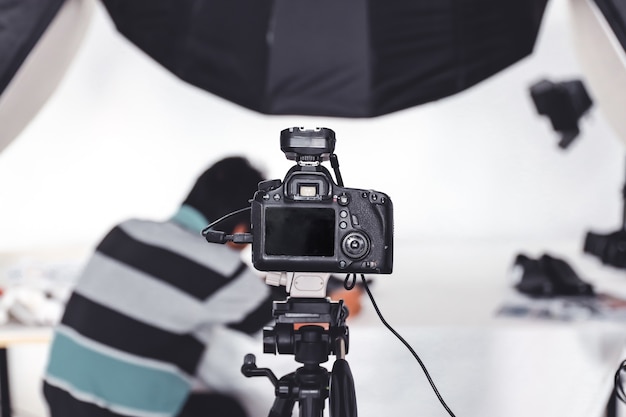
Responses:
[220,369]
[234,316]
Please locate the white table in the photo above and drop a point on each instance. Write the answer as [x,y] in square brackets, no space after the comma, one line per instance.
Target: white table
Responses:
[12,335]
[527,371]
[465,283]
[443,297]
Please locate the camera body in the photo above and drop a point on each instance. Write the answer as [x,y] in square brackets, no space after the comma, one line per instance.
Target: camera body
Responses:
[308,223]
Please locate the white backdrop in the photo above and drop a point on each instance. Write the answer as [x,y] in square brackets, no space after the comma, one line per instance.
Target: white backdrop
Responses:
[123,137]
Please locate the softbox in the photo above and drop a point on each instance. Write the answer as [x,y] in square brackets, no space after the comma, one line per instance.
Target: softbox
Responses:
[348,58]
[38,40]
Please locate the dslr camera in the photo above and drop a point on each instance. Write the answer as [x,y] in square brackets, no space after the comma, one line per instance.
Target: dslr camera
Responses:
[309,223]
[303,229]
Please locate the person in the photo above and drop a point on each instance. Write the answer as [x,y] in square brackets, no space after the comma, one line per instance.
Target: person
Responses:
[159,320]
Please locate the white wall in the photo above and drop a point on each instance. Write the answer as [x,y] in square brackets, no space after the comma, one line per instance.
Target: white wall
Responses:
[122,137]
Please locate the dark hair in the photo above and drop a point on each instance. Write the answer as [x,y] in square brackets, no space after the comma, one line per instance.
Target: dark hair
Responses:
[226,186]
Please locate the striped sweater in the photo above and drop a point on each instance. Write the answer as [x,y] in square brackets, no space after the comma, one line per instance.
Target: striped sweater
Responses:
[156,309]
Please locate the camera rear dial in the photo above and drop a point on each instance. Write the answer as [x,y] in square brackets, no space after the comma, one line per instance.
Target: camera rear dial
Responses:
[355,245]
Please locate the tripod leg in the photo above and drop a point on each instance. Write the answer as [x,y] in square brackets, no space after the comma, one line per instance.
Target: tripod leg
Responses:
[342,396]
[311,406]
[282,407]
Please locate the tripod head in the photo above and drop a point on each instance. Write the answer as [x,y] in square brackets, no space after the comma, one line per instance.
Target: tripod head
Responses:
[311,329]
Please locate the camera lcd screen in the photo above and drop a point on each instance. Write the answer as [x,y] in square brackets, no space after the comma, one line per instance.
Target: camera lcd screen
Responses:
[299,231]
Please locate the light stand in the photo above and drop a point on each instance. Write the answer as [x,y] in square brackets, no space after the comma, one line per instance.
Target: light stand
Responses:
[610,248]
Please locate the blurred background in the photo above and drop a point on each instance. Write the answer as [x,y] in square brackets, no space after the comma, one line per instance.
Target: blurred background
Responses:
[123,137]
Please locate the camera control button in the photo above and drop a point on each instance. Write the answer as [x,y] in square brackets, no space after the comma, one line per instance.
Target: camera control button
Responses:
[355,220]
[343,199]
[343,214]
[342,264]
[343,225]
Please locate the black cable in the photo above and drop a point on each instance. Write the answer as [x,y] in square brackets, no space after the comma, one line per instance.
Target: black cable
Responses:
[347,284]
[334,162]
[406,344]
[221,219]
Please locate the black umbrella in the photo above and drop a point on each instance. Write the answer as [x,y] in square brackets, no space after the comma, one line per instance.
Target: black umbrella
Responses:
[22,22]
[38,40]
[349,58]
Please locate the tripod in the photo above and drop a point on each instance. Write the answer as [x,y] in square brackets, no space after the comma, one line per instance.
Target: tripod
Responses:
[310,329]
